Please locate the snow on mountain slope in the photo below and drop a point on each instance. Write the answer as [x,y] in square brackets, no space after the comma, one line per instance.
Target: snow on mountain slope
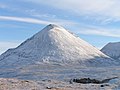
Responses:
[54,44]
[112,50]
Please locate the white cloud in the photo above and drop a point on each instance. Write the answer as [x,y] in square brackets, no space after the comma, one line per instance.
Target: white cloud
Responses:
[38,21]
[23,19]
[6,45]
[99,31]
[36,13]
[96,8]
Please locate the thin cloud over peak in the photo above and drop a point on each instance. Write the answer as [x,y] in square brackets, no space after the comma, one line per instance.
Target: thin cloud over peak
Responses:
[24,19]
[37,21]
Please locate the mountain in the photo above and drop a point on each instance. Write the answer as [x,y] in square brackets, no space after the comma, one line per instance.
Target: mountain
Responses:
[112,50]
[54,45]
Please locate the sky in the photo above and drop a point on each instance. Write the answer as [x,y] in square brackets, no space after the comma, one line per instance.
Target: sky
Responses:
[96,21]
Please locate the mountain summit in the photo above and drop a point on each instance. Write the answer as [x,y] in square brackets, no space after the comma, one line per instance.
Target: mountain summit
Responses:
[54,44]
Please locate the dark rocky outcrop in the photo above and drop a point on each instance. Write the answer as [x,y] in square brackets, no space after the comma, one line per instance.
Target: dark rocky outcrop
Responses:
[88,80]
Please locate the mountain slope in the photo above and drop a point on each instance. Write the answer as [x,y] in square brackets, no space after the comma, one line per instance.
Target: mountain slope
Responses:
[54,44]
[112,50]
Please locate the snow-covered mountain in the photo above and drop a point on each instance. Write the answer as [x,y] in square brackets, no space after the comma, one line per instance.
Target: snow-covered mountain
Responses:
[112,50]
[54,45]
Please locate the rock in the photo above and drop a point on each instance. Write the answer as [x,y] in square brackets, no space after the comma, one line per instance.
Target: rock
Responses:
[88,80]
[48,87]
[104,85]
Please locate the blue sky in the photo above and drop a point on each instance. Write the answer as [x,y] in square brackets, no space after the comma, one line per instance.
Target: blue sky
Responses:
[96,21]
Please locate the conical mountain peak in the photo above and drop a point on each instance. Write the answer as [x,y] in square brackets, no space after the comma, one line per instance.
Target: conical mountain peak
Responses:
[51,29]
[54,44]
